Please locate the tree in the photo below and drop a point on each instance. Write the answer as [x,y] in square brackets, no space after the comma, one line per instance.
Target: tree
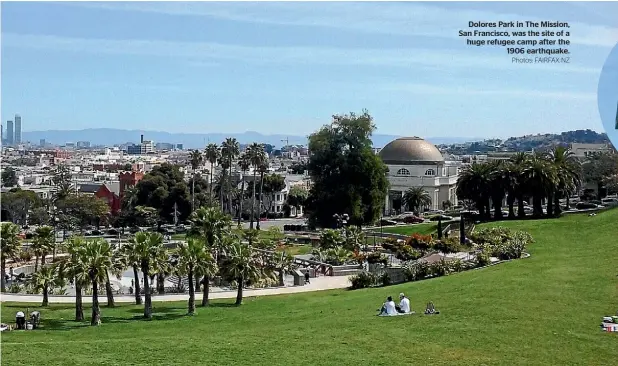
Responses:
[133,260]
[211,225]
[598,168]
[196,159]
[44,279]
[194,258]
[230,149]
[164,188]
[9,177]
[242,265]
[146,216]
[82,210]
[148,248]
[19,203]
[348,177]
[262,168]
[75,270]
[255,154]
[244,163]
[474,184]
[212,154]
[283,263]
[273,183]
[43,242]
[540,178]
[61,179]
[10,247]
[416,198]
[568,176]
[297,197]
[97,261]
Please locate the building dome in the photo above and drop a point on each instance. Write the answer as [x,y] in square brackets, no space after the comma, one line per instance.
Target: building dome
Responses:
[410,151]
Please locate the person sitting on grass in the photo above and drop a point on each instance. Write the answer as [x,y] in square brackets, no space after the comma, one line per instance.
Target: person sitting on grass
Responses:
[388,308]
[404,304]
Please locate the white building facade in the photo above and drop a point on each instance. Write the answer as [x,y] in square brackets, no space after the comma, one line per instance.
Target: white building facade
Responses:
[413,162]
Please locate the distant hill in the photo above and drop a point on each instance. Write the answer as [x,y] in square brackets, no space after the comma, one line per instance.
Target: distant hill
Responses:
[112,136]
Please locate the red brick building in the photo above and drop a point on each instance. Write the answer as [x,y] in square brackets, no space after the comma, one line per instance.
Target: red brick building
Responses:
[112,199]
[129,179]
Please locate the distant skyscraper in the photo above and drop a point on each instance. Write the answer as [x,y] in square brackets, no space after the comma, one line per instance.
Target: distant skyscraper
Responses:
[9,133]
[617,116]
[42,142]
[17,137]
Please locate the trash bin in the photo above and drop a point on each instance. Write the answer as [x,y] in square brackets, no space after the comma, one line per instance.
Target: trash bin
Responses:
[20,320]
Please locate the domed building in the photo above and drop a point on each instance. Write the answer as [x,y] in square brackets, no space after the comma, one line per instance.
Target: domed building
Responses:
[413,162]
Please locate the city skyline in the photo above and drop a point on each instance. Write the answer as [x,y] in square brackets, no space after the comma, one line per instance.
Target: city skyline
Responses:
[283,68]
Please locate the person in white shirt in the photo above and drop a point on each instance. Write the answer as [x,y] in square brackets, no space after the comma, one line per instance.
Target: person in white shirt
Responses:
[388,308]
[404,304]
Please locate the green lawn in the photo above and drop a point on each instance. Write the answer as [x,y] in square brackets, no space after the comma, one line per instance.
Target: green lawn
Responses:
[424,229]
[543,310]
[298,249]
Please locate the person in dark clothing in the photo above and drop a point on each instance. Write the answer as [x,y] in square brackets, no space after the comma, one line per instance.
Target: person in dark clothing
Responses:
[307,277]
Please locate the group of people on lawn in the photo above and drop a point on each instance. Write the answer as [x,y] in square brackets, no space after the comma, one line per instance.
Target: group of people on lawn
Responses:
[389,308]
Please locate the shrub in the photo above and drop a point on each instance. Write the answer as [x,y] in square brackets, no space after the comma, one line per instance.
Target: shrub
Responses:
[376,257]
[25,255]
[384,279]
[389,243]
[448,245]
[15,288]
[421,242]
[363,280]
[483,257]
[440,268]
[416,271]
[406,253]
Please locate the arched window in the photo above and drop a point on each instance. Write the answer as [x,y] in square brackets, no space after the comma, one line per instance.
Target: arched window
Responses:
[403,171]
[430,172]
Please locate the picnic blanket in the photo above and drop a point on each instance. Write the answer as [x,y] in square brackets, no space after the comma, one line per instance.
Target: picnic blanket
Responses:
[397,314]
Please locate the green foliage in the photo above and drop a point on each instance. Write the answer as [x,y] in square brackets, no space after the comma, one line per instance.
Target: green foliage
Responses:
[363,280]
[377,258]
[414,199]
[9,177]
[348,177]
[448,245]
[406,253]
[18,203]
[331,238]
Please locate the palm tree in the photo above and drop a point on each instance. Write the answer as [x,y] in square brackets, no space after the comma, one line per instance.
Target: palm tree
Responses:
[44,279]
[241,265]
[474,184]
[230,149]
[568,177]
[133,260]
[222,181]
[244,165]
[10,245]
[119,262]
[148,247]
[540,178]
[283,262]
[414,199]
[518,164]
[44,240]
[194,258]
[263,168]
[211,225]
[196,159]
[212,154]
[498,185]
[97,261]
[255,154]
[75,270]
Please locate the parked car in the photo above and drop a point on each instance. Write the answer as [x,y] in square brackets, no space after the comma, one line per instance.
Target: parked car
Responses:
[386,222]
[441,217]
[413,219]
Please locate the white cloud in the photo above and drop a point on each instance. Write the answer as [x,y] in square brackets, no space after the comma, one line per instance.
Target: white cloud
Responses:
[209,53]
[414,19]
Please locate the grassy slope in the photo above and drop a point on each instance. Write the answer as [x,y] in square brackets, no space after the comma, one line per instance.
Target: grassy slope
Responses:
[542,310]
[424,229]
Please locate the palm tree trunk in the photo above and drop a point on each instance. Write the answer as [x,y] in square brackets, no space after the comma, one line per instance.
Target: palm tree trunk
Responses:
[96,310]
[520,206]
[193,192]
[148,298]
[191,310]
[281,278]
[537,206]
[260,205]
[568,199]
[79,307]
[510,200]
[109,292]
[550,203]
[252,202]
[229,184]
[45,296]
[497,201]
[3,278]
[242,196]
[161,284]
[210,185]
[221,189]
[241,282]
[206,292]
[197,281]
[138,290]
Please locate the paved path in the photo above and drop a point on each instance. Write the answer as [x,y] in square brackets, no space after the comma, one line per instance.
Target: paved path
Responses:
[317,284]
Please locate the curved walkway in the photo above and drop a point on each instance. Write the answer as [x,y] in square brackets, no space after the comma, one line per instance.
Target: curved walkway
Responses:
[317,284]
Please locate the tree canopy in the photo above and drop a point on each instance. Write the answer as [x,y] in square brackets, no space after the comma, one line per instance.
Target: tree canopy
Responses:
[348,177]
[9,177]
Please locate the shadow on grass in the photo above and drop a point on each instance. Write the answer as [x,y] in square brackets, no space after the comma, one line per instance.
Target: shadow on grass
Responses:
[219,305]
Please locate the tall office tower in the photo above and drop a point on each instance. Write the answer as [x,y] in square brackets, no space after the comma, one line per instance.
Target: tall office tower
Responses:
[617,116]
[9,133]
[17,138]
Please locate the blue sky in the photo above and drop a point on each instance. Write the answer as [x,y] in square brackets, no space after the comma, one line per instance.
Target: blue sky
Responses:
[287,67]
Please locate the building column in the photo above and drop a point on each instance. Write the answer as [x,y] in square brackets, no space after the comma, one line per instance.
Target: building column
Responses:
[387,204]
